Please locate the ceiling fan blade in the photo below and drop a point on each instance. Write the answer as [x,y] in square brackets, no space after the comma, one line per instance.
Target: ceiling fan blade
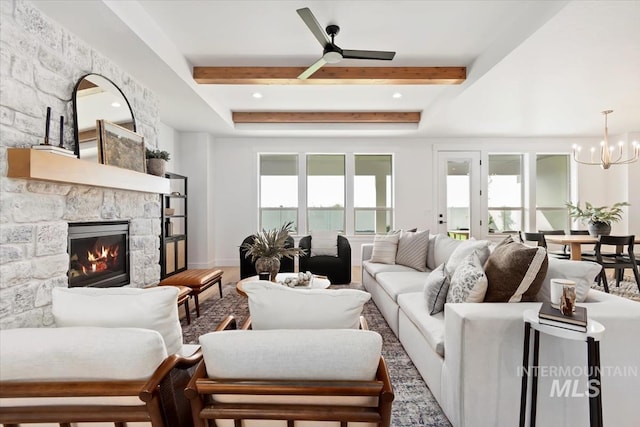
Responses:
[314,26]
[312,69]
[367,54]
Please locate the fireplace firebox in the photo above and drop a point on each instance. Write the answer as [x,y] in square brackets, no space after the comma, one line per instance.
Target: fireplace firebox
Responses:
[98,254]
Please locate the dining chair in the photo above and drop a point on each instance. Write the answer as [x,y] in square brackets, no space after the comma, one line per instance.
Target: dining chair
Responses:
[615,258]
[565,248]
[539,239]
[588,252]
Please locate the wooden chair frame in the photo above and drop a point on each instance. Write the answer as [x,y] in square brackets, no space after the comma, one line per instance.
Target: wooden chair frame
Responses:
[200,388]
[150,392]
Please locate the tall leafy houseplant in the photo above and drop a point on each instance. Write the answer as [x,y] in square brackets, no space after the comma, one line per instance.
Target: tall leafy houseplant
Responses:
[599,218]
[269,247]
[157,161]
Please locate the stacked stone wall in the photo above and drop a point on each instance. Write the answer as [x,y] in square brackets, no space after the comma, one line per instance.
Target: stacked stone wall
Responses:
[40,63]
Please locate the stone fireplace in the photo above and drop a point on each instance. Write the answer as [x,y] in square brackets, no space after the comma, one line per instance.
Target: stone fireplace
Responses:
[98,254]
[41,63]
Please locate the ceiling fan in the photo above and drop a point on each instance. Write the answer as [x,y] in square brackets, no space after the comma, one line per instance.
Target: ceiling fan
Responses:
[332,54]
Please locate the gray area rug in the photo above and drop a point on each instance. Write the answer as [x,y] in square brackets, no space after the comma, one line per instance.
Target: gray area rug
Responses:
[414,405]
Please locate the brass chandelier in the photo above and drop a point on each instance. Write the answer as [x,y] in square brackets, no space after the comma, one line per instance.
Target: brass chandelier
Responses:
[609,155]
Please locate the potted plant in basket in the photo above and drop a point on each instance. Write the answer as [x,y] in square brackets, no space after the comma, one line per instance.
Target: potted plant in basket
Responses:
[156,161]
[269,247]
[599,218]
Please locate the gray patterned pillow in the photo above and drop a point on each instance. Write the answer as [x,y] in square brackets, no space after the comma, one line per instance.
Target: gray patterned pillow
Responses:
[412,249]
[468,283]
[435,289]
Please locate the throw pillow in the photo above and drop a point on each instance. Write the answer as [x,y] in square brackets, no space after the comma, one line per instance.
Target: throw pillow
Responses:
[464,249]
[412,249]
[583,273]
[443,248]
[154,308]
[324,243]
[385,247]
[435,289]
[515,272]
[469,282]
[274,306]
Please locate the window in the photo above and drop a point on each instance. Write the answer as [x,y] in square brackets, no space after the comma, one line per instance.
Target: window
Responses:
[552,191]
[310,190]
[278,190]
[325,192]
[372,194]
[505,193]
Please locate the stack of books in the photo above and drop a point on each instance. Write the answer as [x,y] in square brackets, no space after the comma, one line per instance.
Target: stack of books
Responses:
[554,317]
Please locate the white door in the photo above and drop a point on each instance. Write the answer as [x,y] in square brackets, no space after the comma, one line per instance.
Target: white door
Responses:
[458,207]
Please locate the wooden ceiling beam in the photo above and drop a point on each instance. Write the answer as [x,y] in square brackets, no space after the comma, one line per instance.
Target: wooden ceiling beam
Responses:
[331,75]
[326,117]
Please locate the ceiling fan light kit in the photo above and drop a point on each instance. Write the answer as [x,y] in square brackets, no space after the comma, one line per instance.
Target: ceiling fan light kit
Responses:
[609,155]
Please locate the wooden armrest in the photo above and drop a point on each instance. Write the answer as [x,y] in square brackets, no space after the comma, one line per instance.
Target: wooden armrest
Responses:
[247,324]
[363,324]
[191,390]
[171,362]
[228,323]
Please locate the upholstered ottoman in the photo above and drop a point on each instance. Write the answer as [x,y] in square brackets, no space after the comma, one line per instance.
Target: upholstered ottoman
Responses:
[199,280]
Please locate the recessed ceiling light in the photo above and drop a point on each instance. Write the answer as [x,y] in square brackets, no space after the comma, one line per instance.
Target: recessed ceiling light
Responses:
[397,95]
[116,104]
[257,95]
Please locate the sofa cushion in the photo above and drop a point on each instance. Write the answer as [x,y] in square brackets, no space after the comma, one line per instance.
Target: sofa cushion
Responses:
[274,306]
[80,353]
[324,243]
[431,327]
[443,248]
[412,249]
[395,284]
[581,272]
[154,308]
[292,354]
[515,272]
[435,290]
[385,247]
[374,268]
[468,283]
[462,251]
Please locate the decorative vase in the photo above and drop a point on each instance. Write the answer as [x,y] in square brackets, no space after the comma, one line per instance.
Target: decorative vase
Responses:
[156,166]
[599,229]
[270,264]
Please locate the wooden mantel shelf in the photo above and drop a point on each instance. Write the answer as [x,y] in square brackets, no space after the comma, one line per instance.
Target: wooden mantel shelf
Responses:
[34,164]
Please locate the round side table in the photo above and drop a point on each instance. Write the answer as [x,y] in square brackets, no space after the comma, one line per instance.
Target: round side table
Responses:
[592,336]
[318,282]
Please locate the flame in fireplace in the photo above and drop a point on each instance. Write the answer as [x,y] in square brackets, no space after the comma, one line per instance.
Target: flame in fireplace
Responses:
[101,259]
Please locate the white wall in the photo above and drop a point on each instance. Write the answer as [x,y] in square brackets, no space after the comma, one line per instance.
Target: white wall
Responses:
[167,138]
[236,183]
[194,159]
[223,181]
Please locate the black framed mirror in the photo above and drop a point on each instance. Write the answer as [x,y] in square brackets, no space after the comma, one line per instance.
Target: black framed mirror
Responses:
[95,97]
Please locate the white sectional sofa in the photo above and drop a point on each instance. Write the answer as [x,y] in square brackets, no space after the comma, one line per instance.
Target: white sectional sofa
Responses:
[470,355]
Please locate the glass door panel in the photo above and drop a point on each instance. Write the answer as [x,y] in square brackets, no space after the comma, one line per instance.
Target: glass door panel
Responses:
[459,194]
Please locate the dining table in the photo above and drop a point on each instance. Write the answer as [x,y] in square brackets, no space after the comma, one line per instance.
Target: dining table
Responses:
[575,243]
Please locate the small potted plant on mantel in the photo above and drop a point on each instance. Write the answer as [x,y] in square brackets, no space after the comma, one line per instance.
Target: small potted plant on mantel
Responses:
[268,247]
[599,218]
[157,161]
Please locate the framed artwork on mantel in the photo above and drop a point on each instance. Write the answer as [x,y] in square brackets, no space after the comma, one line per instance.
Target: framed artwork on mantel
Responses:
[118,146]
